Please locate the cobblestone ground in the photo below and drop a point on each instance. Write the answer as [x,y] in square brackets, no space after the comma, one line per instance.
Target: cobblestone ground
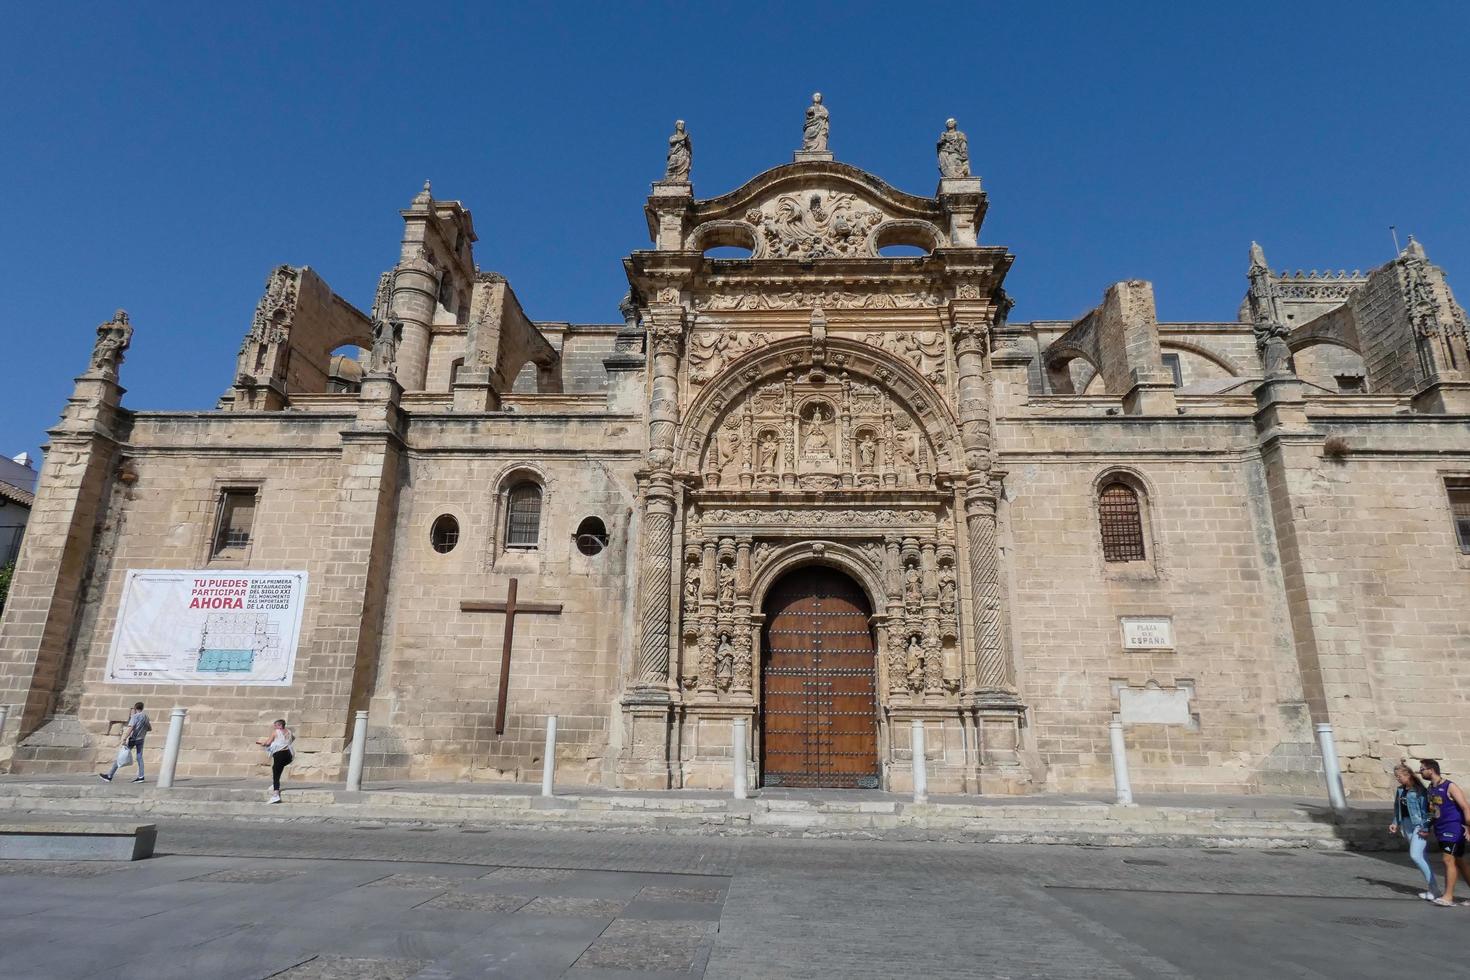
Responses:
[238,900]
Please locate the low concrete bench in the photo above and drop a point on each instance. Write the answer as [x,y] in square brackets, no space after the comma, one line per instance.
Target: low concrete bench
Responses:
[76,841]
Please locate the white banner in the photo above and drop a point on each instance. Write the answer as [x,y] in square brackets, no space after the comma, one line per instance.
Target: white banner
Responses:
[207,627]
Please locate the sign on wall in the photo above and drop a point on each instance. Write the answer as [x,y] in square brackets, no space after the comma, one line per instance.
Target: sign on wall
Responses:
[207,627]
[1147,633]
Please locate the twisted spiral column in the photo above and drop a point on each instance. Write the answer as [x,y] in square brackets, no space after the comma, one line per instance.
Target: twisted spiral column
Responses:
[993,666]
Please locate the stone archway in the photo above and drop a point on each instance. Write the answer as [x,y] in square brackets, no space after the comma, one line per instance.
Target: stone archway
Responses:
[819,700]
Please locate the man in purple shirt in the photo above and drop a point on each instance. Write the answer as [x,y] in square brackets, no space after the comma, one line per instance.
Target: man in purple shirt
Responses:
[1447,810]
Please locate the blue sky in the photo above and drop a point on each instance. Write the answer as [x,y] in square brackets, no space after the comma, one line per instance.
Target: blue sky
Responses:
[164,159]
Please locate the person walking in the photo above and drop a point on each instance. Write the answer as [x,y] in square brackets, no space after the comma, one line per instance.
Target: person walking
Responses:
[278,746]
[133,735]
[1447,809]
[1410,818]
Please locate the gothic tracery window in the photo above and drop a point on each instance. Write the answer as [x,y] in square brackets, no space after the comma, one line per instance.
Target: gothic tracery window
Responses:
[1121,520]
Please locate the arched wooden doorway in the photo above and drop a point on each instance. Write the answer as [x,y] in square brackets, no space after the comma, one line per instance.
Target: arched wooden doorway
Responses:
[819,707]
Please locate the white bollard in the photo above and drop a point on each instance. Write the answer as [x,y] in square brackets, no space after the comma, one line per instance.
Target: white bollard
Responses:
[4,713]
[1330,768]
[921,764]
[737,753]
[359,749]
[171,747]
[1120,763]
[548,761]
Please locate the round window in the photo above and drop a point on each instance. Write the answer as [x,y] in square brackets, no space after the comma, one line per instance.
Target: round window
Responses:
[591,536]
[444,535]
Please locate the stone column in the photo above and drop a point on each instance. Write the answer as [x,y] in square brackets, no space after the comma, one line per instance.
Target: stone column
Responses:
[415,297]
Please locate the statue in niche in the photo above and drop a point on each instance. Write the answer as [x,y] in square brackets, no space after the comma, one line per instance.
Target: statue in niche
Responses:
[817,442]
[729,447]
[691,588]
[913,590]
[113,339]
[867,448]
[954,151]
[387,335]
[915,664]
[770,446]
[681,155]
[727,584]
[724,663]
[946,590]
[814,130]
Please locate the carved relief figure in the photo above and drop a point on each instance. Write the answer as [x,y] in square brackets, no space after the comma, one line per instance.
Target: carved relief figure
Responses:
[813,228]
[907,448]
[817,443]
[867,449]
[724,663]
[113,339]
[770,446]
[691,588]
[681,155]
[913,591]
[814,129]
[946,590]
[727,583]
[742,658]
[954,151]
[915,664]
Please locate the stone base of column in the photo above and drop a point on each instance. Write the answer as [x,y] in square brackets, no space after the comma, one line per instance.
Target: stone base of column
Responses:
[1150,398]
[706,742]
[647,758]
[945,749]
[1000,766]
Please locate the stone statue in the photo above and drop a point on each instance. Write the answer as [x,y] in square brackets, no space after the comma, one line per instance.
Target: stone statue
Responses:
[113,340]
[814,130]
[729,447]
[867,452]
[946,590]
[1271,333]
[727,584]
[915,664]
[913,591]
[769,449]
[817,442]
[691,589]
[387,334]
[954,152]
[724,663]
[681,155]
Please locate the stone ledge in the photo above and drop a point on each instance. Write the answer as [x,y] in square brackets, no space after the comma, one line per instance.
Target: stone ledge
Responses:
[57,840]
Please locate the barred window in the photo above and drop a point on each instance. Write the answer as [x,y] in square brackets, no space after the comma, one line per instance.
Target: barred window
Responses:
[235,520]
[1121,520]
[1459,491]
[444,533]
[523,517]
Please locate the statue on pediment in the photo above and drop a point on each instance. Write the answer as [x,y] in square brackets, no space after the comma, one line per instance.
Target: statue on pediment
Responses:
[681,155]
[954,151]
[814,129]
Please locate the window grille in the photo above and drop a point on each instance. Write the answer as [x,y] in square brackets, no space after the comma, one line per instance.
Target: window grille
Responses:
[444,534]
[523,522]
[1460,510]
[1122,523]
[236,518]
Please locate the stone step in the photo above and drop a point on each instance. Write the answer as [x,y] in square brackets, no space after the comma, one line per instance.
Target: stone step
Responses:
[1003,822]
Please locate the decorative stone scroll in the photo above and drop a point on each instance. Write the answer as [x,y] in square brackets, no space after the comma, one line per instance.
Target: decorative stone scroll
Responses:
[756,297]
[814,225]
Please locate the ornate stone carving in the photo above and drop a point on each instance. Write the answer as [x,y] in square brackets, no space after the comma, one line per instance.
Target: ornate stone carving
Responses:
[817,442]
[113,339]
[726,583]
[711,350]
[743,679]
[681,155]
[815,127]
[814,225]
[387,335]
[923,349]
[947,590]
[913,594]
[954,151]
[691,589]
[743,297]
[819,518]
[724,663]
[383,297]
[1266,320]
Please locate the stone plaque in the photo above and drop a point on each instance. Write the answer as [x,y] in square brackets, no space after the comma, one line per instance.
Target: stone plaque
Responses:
[1147,632]
[1153,705]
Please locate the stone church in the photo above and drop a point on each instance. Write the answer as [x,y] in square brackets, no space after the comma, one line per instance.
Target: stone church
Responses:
[812,476]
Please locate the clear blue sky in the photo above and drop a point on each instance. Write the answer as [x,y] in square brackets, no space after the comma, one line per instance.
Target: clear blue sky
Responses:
[164,160]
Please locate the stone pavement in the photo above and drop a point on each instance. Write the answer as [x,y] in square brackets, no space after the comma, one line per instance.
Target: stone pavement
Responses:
[310,902]
[1176,820]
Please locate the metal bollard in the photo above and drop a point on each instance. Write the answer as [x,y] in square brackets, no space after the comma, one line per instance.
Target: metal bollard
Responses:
[737,753]
[548,761]
[921,764]
[1331,771]
[1120,763]
[171,747]
[359,749]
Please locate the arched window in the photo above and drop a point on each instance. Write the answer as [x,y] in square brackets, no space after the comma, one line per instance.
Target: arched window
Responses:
[523,516]
[1121,521]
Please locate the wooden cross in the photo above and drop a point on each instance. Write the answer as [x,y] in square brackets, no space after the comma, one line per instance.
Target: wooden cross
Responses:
[510,607]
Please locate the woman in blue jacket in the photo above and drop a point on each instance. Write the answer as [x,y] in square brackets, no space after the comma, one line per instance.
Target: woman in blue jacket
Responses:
[1410,816]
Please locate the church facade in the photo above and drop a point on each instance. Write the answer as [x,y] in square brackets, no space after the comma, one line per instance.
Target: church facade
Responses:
[827,487]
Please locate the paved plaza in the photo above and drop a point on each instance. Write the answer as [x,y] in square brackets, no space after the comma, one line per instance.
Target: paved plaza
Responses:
[254,899]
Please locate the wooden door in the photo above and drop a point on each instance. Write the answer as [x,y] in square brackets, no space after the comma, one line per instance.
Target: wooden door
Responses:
[819,708]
